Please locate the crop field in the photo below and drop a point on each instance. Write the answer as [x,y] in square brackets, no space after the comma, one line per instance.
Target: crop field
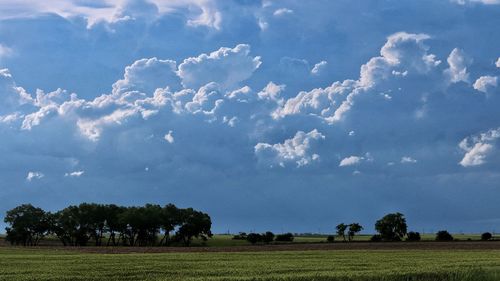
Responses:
[51,264]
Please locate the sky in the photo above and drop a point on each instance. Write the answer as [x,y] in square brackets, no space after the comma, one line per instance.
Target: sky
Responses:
[269,115]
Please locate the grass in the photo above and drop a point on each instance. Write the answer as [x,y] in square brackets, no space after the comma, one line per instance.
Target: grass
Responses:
[47,264]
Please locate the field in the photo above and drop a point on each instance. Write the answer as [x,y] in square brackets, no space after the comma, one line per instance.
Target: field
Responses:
[322,262]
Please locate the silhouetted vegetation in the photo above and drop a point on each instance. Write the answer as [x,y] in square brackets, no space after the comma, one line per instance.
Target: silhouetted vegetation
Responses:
[240,236]
[443,235]
[413,236]
[286,237]
[127,226]
[486,236]
[376,238]
[392,227]
[330,239]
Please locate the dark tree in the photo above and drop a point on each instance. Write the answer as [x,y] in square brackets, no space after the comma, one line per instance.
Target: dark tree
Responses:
[286,237]
[28,225]
[254,238]
[240,236]
[392,227]
[443,235]
[268,237]
[341,228]
[486,236]
[354,228]
[170,218]
[413,236]
[376,238]
[194,224]
[330,238]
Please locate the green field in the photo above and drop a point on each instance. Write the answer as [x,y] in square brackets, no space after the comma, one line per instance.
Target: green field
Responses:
[46,264]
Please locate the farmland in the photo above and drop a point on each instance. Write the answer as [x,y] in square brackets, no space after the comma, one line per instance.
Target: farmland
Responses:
[429,261]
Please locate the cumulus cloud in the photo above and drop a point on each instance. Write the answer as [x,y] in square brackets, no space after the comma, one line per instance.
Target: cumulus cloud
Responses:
[319,67]
[74,174]
[227,67]
[458,66]
[169,137]
[486,83]
[408,160]
[295,150]
[486,2]
[478,148]
[282,12]
[350,161]
[5,51]
[498,63]
[34,176]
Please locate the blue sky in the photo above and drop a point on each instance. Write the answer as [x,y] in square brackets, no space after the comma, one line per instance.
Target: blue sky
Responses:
[269,115]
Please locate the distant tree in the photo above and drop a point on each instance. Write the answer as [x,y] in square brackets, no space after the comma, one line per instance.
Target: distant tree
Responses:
[354,228]
[443,235]
[112,214]
[486,236]
[341,228]
[268,237]
[392,227]
[376,238]
[194,224]
[254,238]
[413,236]
[170,218]
[286,237]
[240,236]
[330,238]
[28,225]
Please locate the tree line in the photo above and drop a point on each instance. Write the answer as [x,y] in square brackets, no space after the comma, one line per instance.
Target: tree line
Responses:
[108,225]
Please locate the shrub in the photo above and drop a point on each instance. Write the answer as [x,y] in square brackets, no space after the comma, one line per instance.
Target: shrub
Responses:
[443,235]
[486,236]
[268,237]
[286,237]
[330,239]
[376,238]
[413,236]
[254,238]
[240,236]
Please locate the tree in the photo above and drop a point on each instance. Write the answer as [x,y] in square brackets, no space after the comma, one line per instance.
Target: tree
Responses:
[353,229]
[392,227]
[268,237]
[253,238]
[413,236]
[443,235]
[194,224]
[286,237]
[330,239]
[170,218]
[486,236]
[341,228]
[28,225]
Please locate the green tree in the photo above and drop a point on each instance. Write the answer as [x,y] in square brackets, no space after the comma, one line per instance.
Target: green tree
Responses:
[341,228]
[268,237]
[194,224]
[170,218]
[354,228]
[392,227]
[28,225]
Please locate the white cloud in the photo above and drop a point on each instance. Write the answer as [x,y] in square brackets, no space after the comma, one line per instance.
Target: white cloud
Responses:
[74,174]
[282,12]
[319,67]
[498,63]
[408,160]
[295,150]
[478,148]
[458,63]
[350,161]
[486,2]
[226,66]
[34,176]
[5,51]
[169,137]
[486,83]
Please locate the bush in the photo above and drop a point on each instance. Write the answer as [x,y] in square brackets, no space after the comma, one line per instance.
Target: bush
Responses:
[286,237]
[443,235]
[330,239]
[254,238]
[376,238]
[240,236]
[268,237]
[486,236]
[413,236]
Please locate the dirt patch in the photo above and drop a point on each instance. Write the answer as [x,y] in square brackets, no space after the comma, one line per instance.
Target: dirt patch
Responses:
[361,246]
